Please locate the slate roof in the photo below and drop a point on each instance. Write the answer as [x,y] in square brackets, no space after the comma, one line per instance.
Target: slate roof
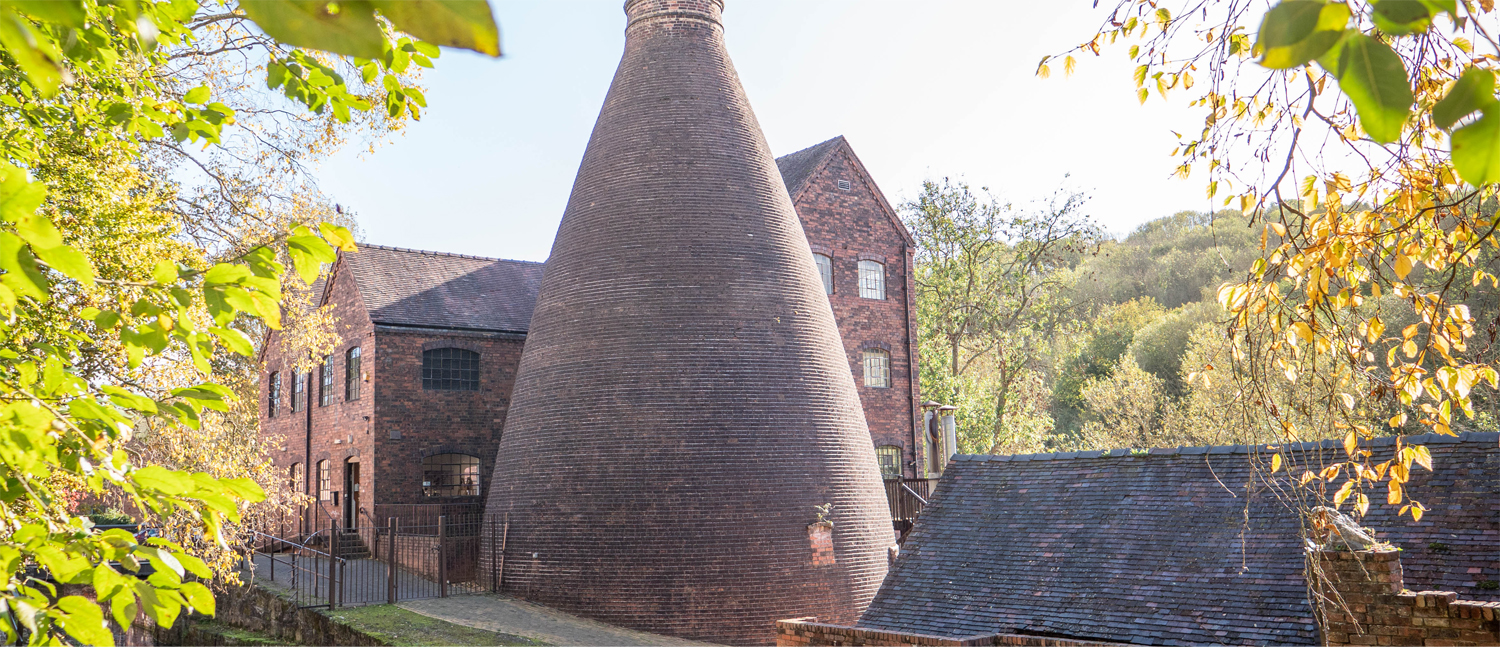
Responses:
[1147,549]
[796,168]
[409,287]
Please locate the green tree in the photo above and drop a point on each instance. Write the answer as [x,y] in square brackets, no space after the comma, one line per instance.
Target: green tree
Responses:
[1362,140]
[993,289]
[116,308]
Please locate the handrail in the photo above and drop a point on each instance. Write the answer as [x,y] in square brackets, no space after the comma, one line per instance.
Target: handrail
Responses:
[302,546]
[906,487]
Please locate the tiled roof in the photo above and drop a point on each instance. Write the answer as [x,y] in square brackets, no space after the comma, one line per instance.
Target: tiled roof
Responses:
[797,167]
[1147,549]
[409,287]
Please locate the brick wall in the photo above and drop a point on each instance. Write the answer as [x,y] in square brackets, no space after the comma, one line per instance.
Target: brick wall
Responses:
[809,632]
[1364,602]
[342,431]
[412,423]
[850,225]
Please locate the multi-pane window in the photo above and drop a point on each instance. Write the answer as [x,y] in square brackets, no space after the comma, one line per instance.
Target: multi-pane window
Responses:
[825,270]
[450,369]
[297,477]
[450,475]
[273,395]
[325,382]
[890,460]
[299,391]
[351,374]
[877,368]
[325,481]
[871,280]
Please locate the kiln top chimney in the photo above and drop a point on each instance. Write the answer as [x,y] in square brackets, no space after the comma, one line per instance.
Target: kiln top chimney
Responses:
[639,12]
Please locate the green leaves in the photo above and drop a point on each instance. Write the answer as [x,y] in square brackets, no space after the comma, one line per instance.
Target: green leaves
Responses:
[308,253]
[1476,146]
[197,95]
[83,620]
[1295,32]
[1475,90]
[1476,149]
[347,27]
[452,23]
[1402,17]
[37,58]
[19,197]
[1374,79]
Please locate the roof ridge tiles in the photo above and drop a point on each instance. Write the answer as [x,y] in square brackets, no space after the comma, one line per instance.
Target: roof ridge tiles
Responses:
[1491,437]
[428,252]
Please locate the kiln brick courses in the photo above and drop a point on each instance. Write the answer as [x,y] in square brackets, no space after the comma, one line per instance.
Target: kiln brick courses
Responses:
[424,300]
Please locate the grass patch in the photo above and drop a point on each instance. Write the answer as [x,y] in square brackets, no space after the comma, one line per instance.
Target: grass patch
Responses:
[398,626]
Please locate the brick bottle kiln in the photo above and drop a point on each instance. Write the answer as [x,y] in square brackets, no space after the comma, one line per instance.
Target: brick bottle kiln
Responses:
[683,403]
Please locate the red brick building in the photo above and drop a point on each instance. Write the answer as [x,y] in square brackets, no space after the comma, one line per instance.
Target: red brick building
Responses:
[410,408]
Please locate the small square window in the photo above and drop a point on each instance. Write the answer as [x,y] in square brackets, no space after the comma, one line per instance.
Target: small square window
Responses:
[844,185]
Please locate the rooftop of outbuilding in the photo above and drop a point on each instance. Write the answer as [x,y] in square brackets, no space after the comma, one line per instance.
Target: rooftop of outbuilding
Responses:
[1172,546]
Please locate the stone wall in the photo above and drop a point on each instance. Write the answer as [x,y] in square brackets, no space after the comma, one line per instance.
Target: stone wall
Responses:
[1364,602]
[261,611]
[809,632]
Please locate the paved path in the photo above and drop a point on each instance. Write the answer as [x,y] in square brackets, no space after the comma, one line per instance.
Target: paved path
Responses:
[508,615]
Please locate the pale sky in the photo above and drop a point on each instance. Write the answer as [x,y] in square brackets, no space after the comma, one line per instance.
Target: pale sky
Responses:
[922,90]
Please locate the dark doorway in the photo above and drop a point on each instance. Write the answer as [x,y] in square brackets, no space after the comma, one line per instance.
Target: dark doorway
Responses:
[351,494]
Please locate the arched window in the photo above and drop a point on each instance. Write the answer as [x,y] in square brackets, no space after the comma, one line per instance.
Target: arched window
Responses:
[273,395]
[890,460]
[871,280]
[825,271]
[450,369]
[297,477]
[351,374]
[325,382]
[877,368]
[299,391]
[450,475]
[325,481]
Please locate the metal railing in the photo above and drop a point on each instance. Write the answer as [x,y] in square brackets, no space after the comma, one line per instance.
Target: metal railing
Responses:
[373,564]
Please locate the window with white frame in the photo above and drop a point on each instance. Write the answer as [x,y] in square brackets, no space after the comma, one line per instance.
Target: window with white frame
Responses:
[871,280]
[877,368]
[325,481]
[273,395]
[325,382]
[825,271]
[299,391]
[890,460]
[351,374]
[450,475]
[296,476]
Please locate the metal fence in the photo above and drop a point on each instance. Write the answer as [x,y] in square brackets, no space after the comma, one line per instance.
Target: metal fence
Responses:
[326,565]
[406,552]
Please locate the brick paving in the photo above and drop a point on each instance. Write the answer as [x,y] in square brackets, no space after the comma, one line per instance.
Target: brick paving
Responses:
[511,616]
